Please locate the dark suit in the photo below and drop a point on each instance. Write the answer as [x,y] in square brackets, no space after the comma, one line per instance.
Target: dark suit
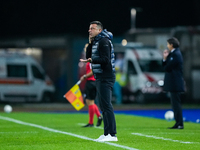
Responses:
[174,83]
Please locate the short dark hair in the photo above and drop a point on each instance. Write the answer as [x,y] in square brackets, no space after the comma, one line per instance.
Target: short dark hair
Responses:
[174,41]
[98,23]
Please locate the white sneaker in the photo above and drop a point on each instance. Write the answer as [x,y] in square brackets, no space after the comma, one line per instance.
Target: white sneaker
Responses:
[101,137]
[107,138]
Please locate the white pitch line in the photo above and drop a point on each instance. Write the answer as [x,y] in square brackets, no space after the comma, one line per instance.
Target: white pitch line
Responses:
[62,132]
[162,138]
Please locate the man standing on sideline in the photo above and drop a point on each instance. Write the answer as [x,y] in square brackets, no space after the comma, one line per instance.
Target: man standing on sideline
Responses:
[100,53]
[173,81]
[90,91]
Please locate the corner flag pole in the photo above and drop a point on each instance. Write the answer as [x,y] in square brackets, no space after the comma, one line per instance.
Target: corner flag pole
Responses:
[79,81]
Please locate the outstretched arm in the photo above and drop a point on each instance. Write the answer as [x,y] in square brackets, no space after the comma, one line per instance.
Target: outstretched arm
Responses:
[86,60]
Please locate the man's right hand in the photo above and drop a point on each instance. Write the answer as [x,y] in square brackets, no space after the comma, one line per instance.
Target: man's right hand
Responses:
[91,39]
[165,54]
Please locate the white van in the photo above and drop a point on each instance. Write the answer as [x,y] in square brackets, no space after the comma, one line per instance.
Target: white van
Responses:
[144,72]
[23,79]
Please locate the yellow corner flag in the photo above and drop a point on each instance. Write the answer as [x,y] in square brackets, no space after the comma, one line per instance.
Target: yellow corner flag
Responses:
[74,96]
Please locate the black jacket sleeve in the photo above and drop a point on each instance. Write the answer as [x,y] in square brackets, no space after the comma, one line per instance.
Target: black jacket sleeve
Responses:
[104,49]
[172,62]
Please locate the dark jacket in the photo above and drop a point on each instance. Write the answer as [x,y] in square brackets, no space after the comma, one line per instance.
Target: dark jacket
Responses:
[173,67]
[102,53]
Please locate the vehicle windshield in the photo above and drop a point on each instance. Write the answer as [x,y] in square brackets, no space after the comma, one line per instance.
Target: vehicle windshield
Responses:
[151,65]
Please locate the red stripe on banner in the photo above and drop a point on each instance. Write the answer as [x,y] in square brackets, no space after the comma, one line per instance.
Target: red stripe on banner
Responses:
[136,54]
[14,81]
[150,78]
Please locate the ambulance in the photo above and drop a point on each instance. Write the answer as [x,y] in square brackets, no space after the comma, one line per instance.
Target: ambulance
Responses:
[22,79]
[142,66]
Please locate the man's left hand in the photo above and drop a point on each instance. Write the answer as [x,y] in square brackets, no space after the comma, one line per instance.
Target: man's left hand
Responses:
[86,60]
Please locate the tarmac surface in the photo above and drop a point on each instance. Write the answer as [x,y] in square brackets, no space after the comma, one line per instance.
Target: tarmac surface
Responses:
[40,107]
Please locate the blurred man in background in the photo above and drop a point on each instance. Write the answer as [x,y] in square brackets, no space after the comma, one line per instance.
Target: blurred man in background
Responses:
[173,81]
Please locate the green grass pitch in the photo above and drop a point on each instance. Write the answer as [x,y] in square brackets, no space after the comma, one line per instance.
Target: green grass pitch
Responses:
[56,131]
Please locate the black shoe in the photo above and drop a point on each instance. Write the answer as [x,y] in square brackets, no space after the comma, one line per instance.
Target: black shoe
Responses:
[176,127]
[89,125]
[100,119]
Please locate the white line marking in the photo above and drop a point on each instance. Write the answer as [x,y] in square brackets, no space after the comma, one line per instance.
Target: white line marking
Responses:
[16,132]
[62,132]
[162,138]
[82,124]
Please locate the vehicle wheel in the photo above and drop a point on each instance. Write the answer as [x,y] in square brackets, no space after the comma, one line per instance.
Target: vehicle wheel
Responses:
[140,98]
[46,97]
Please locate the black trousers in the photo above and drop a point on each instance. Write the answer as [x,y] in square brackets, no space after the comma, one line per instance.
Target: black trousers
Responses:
[176,106]
[104,95]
